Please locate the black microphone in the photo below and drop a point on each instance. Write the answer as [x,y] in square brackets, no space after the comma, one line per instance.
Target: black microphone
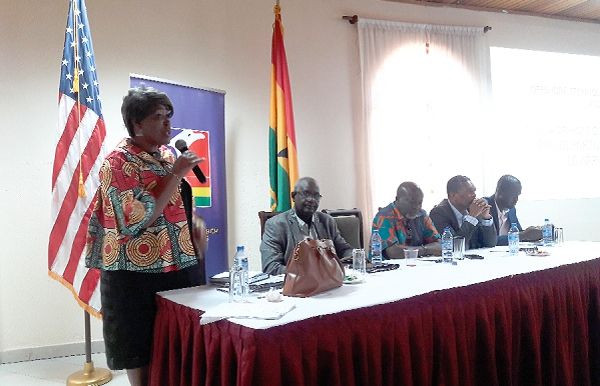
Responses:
[182,147]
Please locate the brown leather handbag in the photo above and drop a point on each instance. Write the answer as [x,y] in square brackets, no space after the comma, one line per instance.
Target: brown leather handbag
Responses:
[313,268]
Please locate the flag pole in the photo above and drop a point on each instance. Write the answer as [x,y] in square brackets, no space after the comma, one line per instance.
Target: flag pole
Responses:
[89,375]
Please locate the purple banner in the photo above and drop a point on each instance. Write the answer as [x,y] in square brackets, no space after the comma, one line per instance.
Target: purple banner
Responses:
[199,119]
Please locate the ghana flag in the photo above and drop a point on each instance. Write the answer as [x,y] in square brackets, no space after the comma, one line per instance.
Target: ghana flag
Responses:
[283,162]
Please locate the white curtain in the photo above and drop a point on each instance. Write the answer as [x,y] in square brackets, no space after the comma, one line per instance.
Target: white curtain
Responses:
[425,96]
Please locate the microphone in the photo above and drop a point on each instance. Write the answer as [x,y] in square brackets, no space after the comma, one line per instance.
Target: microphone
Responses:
[182,147]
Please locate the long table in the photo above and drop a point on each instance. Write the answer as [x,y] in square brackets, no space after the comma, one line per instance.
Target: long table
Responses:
[500,321]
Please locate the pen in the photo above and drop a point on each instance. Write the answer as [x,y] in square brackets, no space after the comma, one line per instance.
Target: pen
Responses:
[499,251]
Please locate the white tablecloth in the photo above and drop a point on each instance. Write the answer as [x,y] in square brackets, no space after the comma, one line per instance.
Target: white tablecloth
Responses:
[390,286]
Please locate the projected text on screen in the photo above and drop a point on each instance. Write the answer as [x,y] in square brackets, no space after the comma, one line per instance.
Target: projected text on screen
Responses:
[547,116]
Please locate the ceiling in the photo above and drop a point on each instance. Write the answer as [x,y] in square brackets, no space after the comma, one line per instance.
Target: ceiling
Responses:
[581,10]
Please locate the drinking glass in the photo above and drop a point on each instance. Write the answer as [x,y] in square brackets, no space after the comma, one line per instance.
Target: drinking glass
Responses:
[558,236]
[459,248]
[410,254]
[359,263]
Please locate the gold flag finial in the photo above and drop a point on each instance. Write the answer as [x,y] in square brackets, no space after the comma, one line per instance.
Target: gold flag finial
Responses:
[277,9]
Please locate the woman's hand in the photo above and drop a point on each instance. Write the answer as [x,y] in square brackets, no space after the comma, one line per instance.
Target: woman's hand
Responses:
[185,163]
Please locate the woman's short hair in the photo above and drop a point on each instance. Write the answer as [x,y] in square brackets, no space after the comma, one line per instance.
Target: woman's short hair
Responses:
[140,102]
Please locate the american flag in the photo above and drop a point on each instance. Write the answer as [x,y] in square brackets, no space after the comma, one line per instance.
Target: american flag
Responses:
[78,156]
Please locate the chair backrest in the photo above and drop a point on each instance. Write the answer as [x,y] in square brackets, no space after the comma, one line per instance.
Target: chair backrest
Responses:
[350,224]
[264,216]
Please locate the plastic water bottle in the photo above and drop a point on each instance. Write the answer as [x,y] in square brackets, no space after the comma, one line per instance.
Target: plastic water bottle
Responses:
[376,257]
[235,282]
[513,239]
[242,259]
[238,276]
[447,245]
[547,233]
[240,254]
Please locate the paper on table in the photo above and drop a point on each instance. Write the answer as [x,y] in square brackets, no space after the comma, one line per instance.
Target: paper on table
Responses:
[260,309]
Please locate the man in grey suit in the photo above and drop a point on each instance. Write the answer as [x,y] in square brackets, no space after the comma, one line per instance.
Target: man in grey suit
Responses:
[284,231]
[466,215]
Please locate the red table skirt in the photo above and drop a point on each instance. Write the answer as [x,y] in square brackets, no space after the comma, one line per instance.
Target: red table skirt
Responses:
[541,328]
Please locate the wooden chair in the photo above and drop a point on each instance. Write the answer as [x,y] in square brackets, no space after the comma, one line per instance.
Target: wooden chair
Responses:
[350,224]
[264,216]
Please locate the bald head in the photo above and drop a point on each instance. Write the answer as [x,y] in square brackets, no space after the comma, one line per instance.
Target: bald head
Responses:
[409,199]
[304,182]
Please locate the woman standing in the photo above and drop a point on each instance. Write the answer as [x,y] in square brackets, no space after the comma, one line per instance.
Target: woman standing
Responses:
[138,234]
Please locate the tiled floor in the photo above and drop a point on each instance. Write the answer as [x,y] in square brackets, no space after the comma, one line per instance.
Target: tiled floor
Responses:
[52,372]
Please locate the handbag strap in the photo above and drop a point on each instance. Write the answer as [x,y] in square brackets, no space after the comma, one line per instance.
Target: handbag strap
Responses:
[319,245]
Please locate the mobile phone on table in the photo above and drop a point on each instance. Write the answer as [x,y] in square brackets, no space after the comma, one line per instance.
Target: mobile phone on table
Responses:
[473,256]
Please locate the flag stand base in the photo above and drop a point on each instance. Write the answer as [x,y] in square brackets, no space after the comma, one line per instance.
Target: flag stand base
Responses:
[89,376]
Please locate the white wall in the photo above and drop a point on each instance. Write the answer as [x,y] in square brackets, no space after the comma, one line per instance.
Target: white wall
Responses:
[222,44]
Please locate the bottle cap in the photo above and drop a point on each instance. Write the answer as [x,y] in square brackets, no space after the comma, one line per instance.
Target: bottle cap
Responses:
[240,248]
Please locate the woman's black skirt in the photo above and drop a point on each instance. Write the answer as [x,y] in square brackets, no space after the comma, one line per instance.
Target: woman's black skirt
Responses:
[129,308]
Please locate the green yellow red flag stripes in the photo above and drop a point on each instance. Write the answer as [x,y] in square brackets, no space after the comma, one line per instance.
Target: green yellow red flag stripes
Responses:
[283,160]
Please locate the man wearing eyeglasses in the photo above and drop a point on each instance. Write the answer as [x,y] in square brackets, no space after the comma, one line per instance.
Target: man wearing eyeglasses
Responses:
[403,223]
[284,231]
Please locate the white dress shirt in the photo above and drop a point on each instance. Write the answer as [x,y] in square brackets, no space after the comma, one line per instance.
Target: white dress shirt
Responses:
[503,224]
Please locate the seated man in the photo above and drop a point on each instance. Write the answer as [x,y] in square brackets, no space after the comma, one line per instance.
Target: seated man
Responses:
[403,223]
[504,212]
[465,215]
[284,231]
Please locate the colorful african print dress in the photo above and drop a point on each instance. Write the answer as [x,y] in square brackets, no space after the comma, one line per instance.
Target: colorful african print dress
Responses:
[118,235]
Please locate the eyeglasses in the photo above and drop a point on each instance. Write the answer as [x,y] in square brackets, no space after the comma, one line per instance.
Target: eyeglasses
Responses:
[304,194]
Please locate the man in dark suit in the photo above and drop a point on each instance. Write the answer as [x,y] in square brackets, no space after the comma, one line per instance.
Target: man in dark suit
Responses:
[284,231]
[504,212]
[466,215]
